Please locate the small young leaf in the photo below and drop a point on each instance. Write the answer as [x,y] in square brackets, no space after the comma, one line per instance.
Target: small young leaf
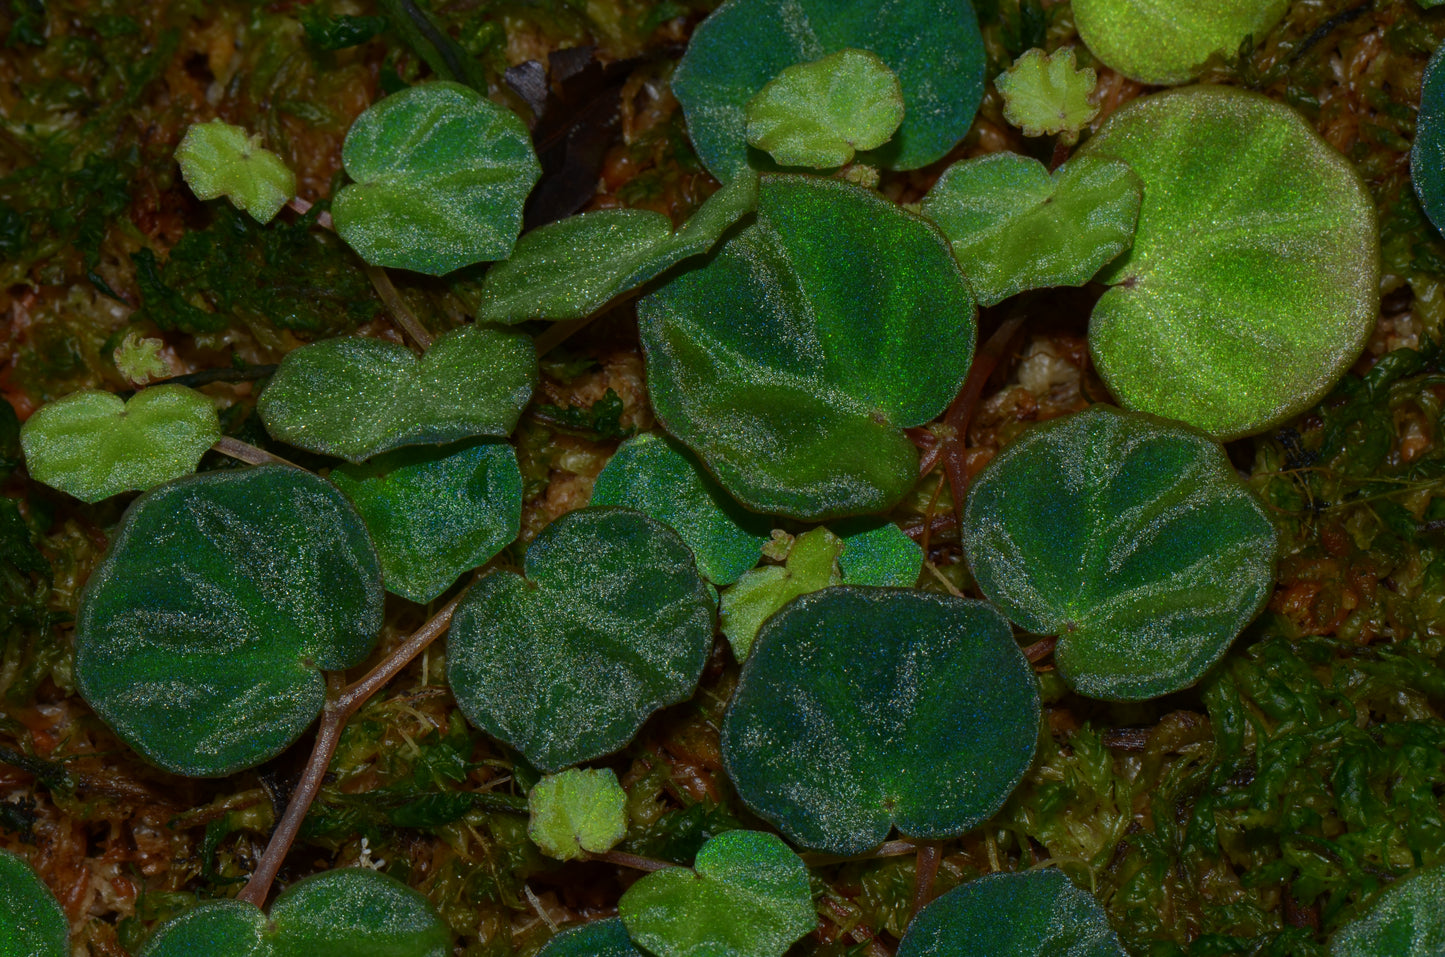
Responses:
[1028,914]
[1044,94]
[139,360]
[441,175]
[600,938]
[930,736]
[1253,281]
[1130,538]
[819,114]
[1171,41]
[94,445]
[31,921]
[746,896]
[576,813]
[1015,227]
[434,513]
[812,564]
[1405,920]
[356,397]
[792,361]
[1427,153]
[933,46]
[611,622]
[659,477]
[571,268]
[218,159]
[202,634]
[343,913]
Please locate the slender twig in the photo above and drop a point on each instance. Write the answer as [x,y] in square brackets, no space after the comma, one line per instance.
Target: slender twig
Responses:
[929,857]
[635,861]
[961,411]
[886,849]
[341,704]
[560,332]
[248,453]
[398,308]
[1040,649]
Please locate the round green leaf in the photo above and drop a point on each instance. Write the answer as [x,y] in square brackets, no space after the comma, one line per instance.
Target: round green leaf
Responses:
[747,896]
[1427,153]
[576,813]
[343,913]
[1029,914]
[434,513]
[94,445]
[1046,94]
[218,159]
[933,46]
[1405,920]
[611,622]
[864,708]
[571,268]
[659,477]
[600,938]
[792,361]
[441,175]
[1170,41]
[819,114]
[1253,281]
[1015,227]
[1129,537]
[355,397]
[31,921]
[202,634]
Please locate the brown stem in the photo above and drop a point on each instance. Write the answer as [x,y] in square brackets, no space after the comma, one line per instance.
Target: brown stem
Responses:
[248,453]
[1040,649]
[929,857]
[341,704]
[398,308]
[961,411]
[303,207]
[635,861]
[560,332]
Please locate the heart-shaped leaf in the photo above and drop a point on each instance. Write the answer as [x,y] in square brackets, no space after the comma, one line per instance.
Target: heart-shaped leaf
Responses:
[343,913]
[441,175]
[571,268]
[1405,920]
[202,634]
[218,159]
[576,813]
[659,477]
[31,921]
[94,445]
[792,361]
[1015,227]
[930,734]
[1029,914]
[356,397]
[1253,281]
[819,114]
[600,938]
[1171,41]
[434,513]
[747,896]
[933,46]
[1045,94]
[1130,538]
[1427,153]
[611,622]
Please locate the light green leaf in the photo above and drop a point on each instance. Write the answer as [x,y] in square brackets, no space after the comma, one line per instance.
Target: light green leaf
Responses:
[1044,94]
[1015,227]
[746,896]
[818,114]
[356,397]
[140,360]
[1253,281]
[1171,41]
[218,159]
[93,445]
[812,564]
[571,268]
[434,513]
[441,175]
[576,813]
[1405,920]
[31,921]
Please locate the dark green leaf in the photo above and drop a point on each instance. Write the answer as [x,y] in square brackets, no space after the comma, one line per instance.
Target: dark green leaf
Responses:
[337,32]
[202,635]
[601,938]
[1403,921]
[1427,153]
[861,709]
[611,622]
[31,921]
